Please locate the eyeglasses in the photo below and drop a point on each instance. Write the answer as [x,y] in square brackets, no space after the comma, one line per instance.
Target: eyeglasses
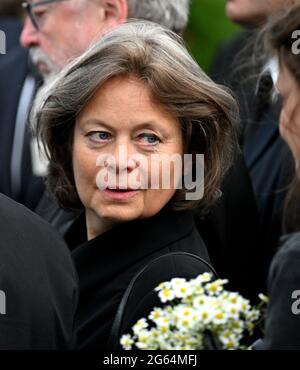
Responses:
[29,8]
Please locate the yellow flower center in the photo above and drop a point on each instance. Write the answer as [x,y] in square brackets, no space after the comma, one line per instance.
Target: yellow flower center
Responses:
[219,315]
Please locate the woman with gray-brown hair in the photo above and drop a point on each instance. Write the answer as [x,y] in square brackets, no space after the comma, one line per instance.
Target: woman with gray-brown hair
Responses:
[126,127]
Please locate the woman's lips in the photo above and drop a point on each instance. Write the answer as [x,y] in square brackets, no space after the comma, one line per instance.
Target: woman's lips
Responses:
[119,194]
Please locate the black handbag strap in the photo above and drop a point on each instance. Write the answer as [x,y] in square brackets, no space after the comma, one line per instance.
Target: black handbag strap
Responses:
[149,278]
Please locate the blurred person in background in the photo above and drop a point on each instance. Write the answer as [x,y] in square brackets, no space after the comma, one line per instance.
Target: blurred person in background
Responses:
[18,82]
[282,325]
[268,158]
[57,32]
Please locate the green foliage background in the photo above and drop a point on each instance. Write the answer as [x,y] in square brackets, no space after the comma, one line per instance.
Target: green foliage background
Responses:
[208,28]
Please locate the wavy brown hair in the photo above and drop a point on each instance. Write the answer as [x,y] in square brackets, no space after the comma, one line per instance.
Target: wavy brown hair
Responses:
[207,112]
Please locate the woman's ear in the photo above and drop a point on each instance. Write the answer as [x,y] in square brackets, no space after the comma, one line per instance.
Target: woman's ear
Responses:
[115,12]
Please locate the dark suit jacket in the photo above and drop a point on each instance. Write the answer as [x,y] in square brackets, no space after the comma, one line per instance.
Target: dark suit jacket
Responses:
[38,282]
[13,71]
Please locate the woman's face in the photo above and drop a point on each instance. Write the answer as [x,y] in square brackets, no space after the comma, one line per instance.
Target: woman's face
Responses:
[290,113]
[115,137]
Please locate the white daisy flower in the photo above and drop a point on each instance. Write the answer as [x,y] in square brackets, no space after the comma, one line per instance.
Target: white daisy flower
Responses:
[140,326]
[127,341]
[166,294]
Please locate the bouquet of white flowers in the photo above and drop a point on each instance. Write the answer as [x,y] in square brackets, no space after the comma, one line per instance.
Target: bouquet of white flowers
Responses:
[195,313]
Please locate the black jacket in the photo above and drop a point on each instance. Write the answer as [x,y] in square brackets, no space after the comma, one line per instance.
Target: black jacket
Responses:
[107,264]
[38,283]
[14,69]
[282,326]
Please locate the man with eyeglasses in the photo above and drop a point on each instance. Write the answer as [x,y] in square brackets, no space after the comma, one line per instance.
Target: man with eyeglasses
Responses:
[56,31]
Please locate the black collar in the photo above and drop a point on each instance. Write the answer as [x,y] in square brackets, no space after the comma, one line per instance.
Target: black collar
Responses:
[128,243]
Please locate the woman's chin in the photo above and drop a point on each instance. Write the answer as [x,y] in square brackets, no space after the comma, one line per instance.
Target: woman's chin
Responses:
[120,214]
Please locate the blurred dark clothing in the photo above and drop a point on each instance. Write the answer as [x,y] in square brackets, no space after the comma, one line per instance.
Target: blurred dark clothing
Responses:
[230,231]
[231,67]
[282,325]
[267,156]
[271,168]
[18,84]
[12,29]
[39,282]
[232,234]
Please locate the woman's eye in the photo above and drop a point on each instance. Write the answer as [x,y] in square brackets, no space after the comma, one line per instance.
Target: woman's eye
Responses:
[149,139]
[99,136]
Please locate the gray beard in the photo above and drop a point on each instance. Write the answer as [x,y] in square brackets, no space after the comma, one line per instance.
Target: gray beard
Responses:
[38,56]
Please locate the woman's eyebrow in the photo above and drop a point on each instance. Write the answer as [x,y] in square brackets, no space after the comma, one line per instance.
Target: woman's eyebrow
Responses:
[152,125]
[95,121]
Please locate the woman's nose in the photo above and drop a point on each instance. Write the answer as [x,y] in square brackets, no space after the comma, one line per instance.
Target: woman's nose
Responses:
[124,157]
